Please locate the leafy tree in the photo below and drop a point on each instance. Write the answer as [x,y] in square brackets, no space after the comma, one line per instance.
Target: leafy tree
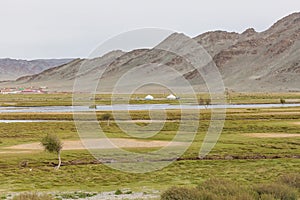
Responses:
[52,144]
[107,117]
[201,101]
[207,102]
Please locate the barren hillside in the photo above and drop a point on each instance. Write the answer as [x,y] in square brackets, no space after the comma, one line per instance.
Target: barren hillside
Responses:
[11,69]
[248,62]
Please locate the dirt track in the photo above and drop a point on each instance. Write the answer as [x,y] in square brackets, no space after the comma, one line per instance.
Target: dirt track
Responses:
[272,135]
[99,144]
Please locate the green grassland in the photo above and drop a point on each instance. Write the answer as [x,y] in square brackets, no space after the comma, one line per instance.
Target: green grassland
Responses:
[237,156]
[65,99]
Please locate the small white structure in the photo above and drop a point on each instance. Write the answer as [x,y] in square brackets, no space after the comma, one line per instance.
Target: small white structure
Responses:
[171,97]
[149,97]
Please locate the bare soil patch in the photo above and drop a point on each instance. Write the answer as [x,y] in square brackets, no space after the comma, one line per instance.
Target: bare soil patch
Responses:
[272,135]
[268,113]
[15,152]
[100,144]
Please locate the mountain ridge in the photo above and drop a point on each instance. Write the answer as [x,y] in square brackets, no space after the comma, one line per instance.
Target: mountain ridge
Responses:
[11,69]
[250,61]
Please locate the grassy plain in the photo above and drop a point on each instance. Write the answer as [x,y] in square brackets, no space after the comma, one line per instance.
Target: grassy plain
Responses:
[237,156]
[65,99]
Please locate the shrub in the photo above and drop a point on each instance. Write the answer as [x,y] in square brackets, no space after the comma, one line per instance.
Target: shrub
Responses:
[93,106]
[84,195]
[201,101]
[118,192]
[278,191]
[181,193]
[107,117]
[33,196]
[267,197]
[227,189]
[292,180]
[219,189]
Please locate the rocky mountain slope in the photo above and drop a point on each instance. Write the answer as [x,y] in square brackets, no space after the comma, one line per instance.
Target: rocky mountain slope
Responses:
[11,69]
[251,61]
[258,61]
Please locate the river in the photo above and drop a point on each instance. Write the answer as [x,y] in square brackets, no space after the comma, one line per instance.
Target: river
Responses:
[123,107]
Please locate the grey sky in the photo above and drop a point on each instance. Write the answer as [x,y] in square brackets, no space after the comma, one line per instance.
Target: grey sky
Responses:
[73,28]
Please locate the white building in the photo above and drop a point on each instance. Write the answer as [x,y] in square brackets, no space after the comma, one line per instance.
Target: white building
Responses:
[171,97]
[149,97]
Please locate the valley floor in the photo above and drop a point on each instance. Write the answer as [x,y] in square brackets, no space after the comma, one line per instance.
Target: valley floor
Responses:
[256,146]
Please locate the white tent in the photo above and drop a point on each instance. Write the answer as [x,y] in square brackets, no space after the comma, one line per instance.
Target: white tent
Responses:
[171,97]
[149,97]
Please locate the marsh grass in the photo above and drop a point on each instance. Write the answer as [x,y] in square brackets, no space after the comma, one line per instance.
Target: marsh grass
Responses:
[224,189]
[65,99]
[236,157]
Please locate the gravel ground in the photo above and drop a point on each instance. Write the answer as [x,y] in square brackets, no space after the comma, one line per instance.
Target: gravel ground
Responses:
[155,195]
[112,196]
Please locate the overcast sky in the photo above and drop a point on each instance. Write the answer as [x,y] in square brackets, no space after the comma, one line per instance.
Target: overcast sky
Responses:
[73,28]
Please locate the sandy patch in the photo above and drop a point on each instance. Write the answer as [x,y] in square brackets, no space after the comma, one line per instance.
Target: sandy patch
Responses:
[292,100]
[146,121]
[296,123]
[267,113]
[10,104]
[14,152]
[272,135]
[100,144]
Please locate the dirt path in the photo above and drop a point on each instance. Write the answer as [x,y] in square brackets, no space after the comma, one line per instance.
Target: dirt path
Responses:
[14,152]
[99,144]
[266,113]
[272,135]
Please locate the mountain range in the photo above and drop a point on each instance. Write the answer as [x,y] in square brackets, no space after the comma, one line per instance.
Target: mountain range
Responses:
[11,69]
[250,61]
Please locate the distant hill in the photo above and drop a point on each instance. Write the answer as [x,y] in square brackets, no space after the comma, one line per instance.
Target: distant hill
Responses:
[11,69]
[251,61]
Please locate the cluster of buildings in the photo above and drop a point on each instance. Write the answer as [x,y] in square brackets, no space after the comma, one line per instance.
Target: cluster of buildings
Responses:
[20,90]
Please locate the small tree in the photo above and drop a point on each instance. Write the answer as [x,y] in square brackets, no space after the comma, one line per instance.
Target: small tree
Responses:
[282,101]
[201,101]
[107,117]
[207,102]
[228,95]
[52,144]
[94,106]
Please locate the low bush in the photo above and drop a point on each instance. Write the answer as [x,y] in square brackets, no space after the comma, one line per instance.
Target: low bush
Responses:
[93,106]
[224,189]
[219,189]
[181,193]
[76,195]
[278,191]
[118,192]
[33,196]
[292,180]
[267,197]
